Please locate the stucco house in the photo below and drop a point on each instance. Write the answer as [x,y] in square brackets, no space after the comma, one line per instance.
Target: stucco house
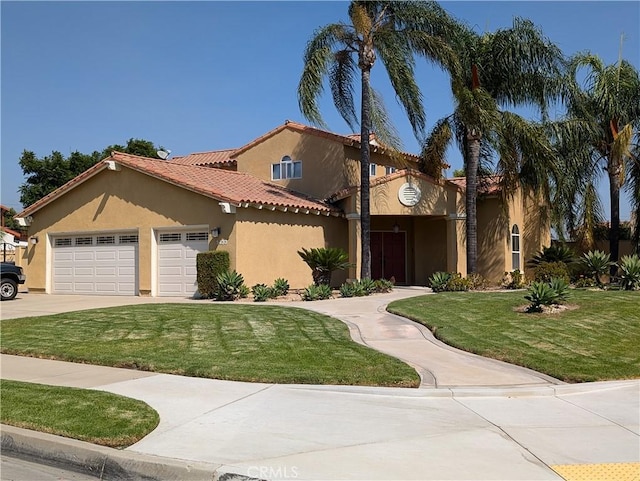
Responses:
[132,225]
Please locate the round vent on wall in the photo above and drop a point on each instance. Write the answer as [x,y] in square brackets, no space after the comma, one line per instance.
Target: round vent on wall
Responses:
[409,195]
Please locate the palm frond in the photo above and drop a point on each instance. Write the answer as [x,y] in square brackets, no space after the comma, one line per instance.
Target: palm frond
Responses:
[318,58]
[435,147]
[342,79]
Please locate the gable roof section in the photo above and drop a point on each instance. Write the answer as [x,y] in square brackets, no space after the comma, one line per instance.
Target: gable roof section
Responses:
[238,188]
[344,193]
[486,185]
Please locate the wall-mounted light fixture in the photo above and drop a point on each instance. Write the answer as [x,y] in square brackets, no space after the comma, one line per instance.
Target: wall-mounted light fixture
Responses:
[215,232]
[396,228]
[34,239]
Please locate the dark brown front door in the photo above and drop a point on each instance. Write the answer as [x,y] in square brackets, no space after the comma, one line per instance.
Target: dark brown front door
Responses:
[388,256]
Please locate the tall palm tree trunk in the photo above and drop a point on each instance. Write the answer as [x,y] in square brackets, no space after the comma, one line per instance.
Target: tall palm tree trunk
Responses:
[614,233]
[471,171]
[365,162]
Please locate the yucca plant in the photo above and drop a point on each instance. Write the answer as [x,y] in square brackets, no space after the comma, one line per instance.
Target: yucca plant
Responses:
[323,261]
[229,285]
[630,272]
[597,264]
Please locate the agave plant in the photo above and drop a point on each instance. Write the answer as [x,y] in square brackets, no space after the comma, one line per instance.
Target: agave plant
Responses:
[323,261]
[630,272]
[439,280]
[597,264]
[230,285]
[540,294]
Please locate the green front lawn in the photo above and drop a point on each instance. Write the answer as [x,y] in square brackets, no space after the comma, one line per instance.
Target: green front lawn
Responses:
[270,344]
[599,340]
[93,416]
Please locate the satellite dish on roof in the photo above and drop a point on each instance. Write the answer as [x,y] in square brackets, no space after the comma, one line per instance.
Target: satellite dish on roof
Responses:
[163,154]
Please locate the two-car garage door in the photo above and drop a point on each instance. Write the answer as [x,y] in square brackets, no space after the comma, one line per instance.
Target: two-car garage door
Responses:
[107,263]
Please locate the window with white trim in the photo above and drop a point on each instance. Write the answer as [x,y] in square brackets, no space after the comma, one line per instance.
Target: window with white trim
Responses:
[515,247]
[197,236]
[63,242]
[389,170]
[372,170]
[286,169]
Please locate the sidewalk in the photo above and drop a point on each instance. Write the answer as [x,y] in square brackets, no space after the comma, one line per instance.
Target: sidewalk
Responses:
[500,422]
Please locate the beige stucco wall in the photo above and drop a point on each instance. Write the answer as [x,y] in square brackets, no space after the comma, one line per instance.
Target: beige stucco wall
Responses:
[268,242]
[324,169]
[117,201]
[430,246]
[493,229]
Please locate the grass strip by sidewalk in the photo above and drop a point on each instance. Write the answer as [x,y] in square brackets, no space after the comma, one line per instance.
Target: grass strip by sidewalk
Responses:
[93,416]
[271,344]
[596,341]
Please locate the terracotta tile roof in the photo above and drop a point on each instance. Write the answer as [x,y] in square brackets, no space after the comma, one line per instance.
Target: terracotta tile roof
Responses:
[486,185]
[14,233]
[351,140]
[212,158]
[346,192]
[238,188]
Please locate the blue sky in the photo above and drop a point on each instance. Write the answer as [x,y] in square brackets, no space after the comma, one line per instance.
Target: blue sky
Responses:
[197,76]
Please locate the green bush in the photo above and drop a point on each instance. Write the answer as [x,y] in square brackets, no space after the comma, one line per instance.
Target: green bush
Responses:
[477,282]
[597,264]
[383,285]
[262,292]
[630,272]
[209,265]
[457,283]
[323,261]
[513,280]
[280,287]
[582,281]
[316,292]
[545,271]
[438,281]
[368,286]
[229,286]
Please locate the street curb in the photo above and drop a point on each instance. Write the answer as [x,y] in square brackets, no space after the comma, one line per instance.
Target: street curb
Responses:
[106,463]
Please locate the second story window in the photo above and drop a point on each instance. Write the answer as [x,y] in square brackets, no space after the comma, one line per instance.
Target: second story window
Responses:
[286,169]
[372,170]
[389,170]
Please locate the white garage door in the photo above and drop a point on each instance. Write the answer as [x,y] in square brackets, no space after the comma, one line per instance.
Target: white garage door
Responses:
[177,274]
[101,264]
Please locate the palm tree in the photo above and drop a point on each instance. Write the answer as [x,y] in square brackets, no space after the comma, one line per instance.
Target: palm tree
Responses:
[603,115]
[507,68]
[395,32]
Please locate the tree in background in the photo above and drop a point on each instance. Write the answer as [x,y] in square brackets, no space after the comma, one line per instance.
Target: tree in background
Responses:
[603,117]
[9,221]
[395,32]
[510,67]
[46,174]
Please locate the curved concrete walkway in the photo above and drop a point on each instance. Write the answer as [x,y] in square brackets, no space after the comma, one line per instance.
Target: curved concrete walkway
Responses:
[499,423]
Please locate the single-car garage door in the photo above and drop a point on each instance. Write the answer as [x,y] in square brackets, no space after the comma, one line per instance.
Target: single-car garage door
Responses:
[101,264]
[177,273]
